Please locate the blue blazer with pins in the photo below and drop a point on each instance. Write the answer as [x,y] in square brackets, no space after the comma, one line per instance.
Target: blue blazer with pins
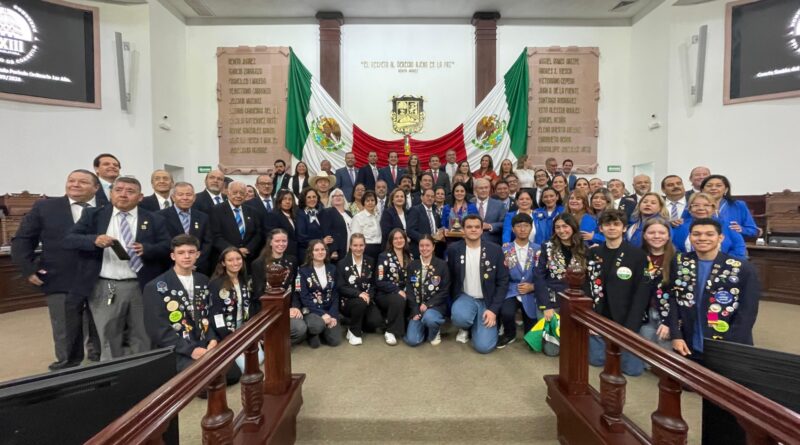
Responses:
[315,298]
[151,232]
[522,273]
[494,275]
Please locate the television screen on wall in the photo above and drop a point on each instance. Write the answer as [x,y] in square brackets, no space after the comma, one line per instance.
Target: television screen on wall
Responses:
[49,53]
[762,50]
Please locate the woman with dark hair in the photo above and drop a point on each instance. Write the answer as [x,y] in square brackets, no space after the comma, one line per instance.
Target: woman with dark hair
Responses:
[230,300]
[543,217]
[651,205]
[335,222]
[486,169]
[319,296]
[427,289]
[414,170]
[391,284]
[286,218]
[466,173]
[394,216]
[358,193]
[308,222]
[564,247]
[540,182]
[251,193]
[732,213]
[367,222]
[300,178]
[579,207]
[459,208]
[660,252]
[702,205]
[354,276]
[582,184]
[274,252]
[560,185]
[439,200]
[524,205]
[599,201]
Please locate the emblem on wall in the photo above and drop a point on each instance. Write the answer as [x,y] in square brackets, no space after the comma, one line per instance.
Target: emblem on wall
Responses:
[18,35]
[489,132]
[407,114]
[327,133]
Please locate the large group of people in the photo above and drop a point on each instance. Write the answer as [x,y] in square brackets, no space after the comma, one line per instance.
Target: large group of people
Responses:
[396,250]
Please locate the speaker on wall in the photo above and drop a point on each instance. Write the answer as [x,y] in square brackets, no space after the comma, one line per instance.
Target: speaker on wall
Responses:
[124,70]
[699,41]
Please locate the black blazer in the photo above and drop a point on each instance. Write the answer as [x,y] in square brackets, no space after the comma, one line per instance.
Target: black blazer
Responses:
[432,291]
[298,184]
[281,221]
[287,181]
[366,177]
[193,327]
[390,220]
[223,305]
[100,197]
[627,299]
[494,275]
[442,180]
[199,227]
[350,283]
[204,203]
[226,233]
[332,224]
[151,232]
[385,173]
[150,203]
[48,221]
[418,225]
[267,221]
[259,280]
[628,204]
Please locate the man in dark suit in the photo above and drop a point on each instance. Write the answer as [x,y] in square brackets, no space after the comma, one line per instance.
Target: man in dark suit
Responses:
[440,177]
[566,170]
[233,224]
[112,277]
[392,172]
[212,195]
[696,177]
[621,202]
[491,211]
[501,194]
[55,268]
[106,167]
[182,219]
[422,220]
[619,285]
[480,283]
[264,203]
[281,180]
[161,181]
[368,174]
[346,176]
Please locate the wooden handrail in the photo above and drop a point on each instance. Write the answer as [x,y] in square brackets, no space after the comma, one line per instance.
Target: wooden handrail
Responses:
[570,395]
[148,419]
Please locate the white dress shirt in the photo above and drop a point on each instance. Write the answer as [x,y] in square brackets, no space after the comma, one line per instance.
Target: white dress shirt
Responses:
[368,225]
[214,196]
[105,186]
[77,210]
[161,201]
[114,268]
[525,178]
[681,203]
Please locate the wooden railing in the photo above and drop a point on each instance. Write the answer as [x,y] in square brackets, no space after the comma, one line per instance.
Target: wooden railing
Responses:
[586,416]
[270,405]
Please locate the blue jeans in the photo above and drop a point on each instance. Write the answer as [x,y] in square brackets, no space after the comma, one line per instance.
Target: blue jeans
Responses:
[431,321]
[467,313]
[631,364]
[648,331]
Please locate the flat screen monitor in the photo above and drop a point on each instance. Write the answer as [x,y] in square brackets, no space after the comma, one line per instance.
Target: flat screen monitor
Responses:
[49,52]
[72,405]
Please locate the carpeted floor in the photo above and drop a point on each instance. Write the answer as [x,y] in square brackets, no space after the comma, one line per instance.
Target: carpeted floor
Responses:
[400,395]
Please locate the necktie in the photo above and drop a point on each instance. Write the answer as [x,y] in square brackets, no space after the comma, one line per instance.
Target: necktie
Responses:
[394,175]
[673,213]
[135,262]
[279,183]
[217,200]
[237,213]
[268,204]
[82,205]
[435,177]
[185,219]
[352,175]
[482,210]
[375,173]
[166,204]
[431,221]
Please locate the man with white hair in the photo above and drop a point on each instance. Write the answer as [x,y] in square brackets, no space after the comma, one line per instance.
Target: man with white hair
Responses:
[233,224]
[491,211]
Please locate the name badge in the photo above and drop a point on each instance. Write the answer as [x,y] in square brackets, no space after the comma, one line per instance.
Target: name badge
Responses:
[219,321]
[624,273]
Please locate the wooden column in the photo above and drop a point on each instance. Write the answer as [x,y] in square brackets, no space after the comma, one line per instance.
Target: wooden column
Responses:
[330,43]
[485,23]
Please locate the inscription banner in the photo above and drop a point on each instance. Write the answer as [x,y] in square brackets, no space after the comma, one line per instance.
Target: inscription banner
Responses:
[252,84]
[564,92]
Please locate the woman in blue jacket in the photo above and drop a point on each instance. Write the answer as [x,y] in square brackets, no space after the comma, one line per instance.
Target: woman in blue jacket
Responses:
[733,213]
[701,205]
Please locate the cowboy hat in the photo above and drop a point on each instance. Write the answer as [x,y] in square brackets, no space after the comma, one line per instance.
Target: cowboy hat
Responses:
[322,175]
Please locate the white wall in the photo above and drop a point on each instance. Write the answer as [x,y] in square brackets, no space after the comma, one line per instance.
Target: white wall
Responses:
[42,143]
[614,44]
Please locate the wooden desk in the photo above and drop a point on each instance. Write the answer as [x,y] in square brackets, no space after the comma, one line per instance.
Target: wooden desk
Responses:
[15,292]
[778,270]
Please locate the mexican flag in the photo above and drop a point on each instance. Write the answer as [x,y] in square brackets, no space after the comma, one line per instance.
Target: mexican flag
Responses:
[317,128]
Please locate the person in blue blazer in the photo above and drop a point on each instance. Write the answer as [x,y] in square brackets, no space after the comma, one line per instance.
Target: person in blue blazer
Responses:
[459,206]
[732,212]
[491,211]
[650,205]
[319,296]
[544,216]
[480,283]
[346,176]
[713,296]
[520,259]
[702,205]
[309,226]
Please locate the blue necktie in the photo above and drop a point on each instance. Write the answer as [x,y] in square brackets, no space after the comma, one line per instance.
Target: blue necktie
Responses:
[268,205]
[135,262]
[217,199]
[237,212]
[185,219]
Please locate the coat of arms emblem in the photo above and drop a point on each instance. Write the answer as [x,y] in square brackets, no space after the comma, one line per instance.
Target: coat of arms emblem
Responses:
[489,132]
[407,114]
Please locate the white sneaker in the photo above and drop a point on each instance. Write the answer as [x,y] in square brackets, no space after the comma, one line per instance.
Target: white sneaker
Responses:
[391,340]
[436,340]
[462,336]
[353,339]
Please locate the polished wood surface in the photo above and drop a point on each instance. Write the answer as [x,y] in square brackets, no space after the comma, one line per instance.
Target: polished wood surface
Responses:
[778,271]
[15,291]
[587,417]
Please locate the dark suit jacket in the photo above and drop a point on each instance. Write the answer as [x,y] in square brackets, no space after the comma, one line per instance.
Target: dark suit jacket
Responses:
[385,173]
[267,219]
[226,233]
[306,230]
[366,177]
[199,227]
[628,204]
[332,223]
[344,182]
[494,276]
[418,225]
[151,232]
[282,222]
[627,299]
[298,184]
[432,291]
[317,299]
[204,203]
[442,181]
[150,203]
[360,282]
[390,220]
[224,302]
[48,222]
[287,181]
[100,197]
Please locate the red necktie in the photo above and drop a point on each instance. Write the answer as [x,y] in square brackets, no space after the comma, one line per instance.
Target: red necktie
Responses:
[435,177]
[394,174]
